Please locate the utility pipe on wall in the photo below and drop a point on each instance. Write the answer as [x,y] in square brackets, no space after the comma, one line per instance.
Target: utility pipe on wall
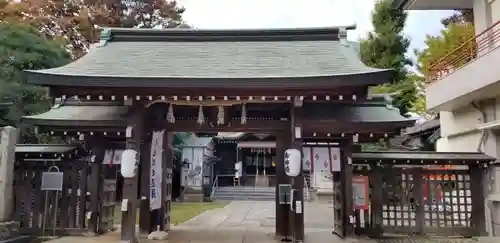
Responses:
[484,133]
[489,205]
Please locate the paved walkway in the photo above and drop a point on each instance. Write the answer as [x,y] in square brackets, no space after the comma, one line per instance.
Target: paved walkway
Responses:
[253,222]
[239,222]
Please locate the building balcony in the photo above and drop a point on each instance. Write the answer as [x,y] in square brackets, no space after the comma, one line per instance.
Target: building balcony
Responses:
[467,74]
[433,4]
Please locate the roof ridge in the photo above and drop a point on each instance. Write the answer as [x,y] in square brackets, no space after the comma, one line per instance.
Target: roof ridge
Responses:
[178,34]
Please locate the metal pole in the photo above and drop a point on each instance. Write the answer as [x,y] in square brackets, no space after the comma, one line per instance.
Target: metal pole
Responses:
[237,154]
[54,224]
[264,156]
[44,218]
[55,214]
[257,169]
[238,171]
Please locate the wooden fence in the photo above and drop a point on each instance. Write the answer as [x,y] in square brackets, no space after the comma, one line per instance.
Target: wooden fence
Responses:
[82,205]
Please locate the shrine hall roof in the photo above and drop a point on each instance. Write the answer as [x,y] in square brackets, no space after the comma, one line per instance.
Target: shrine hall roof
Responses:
[376,109]
[296,58]
[91,114]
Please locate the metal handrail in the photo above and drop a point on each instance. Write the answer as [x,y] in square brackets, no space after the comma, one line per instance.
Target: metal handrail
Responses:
[214,186]
[306,187]
[468,51]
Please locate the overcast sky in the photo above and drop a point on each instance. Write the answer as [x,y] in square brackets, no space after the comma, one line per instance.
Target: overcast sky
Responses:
[238,14]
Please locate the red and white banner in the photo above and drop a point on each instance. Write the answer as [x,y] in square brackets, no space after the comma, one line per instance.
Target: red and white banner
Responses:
[325,160]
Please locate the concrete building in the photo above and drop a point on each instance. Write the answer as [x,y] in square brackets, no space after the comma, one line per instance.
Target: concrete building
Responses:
[464,87]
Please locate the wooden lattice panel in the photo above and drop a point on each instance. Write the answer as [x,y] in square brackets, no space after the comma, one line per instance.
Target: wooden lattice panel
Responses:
[418,200]
[398,209]
[447,201]
[107,213]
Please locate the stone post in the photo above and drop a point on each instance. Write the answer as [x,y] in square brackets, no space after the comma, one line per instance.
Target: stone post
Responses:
[8,140]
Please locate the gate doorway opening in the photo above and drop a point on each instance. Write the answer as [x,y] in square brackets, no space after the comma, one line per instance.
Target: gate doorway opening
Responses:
[245,159]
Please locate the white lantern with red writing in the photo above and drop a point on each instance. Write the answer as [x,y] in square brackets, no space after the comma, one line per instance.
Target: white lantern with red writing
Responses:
[128,163]
[293,162]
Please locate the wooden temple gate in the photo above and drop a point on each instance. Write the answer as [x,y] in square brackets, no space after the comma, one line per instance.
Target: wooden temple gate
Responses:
[301,85]
[417,193]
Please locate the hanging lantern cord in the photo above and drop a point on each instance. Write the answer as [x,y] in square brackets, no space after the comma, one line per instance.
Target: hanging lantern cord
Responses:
[201,116]
[170,114]
[220,115]
[243,114]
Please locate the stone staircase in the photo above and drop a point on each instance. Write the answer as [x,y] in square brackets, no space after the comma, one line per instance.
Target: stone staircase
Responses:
[241,193]
[250,194]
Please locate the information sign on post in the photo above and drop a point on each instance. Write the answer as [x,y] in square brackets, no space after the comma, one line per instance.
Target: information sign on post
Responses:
[360,192]
[52,181]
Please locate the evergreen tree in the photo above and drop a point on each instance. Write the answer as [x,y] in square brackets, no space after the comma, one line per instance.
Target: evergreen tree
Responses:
[458,30]
[24,47]
[386,48]
[76,24]
[452,37]
[461,16]
[40,34]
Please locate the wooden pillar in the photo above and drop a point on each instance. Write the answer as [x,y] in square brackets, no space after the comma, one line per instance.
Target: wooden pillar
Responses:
[478,217]
[168,166]
[298,181]
[346,179]
[131,185]
[145,214]
[95,185]
[282,210]
[375,178]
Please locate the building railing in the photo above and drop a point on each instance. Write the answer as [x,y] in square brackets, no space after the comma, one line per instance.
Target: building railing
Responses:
[307,195]
[470,50]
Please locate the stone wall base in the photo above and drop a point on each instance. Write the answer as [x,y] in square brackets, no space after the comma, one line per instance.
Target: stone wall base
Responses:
[324,198]
[192,194]
[9,232]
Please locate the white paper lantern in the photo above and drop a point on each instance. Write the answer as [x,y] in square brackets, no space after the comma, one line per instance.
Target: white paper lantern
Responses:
[128,163]
[293,162]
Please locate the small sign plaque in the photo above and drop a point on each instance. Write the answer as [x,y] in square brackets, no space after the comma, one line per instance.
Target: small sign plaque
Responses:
[360,195]
[109,185]
[52,181]
[124,206]
[284,191]
[298,207]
